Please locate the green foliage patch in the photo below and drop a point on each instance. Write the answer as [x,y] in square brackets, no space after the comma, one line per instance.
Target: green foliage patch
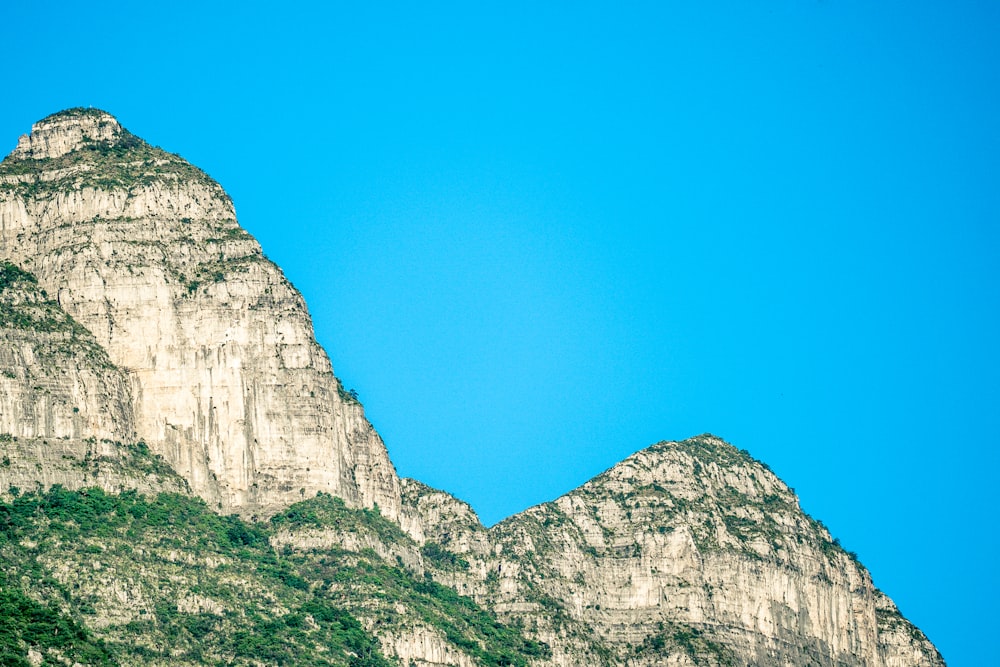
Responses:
[672,638]
[327,511]
[443,558]
[245,603]
[26,623]
[369,586]
[465,624]
[11,273]
[211,589]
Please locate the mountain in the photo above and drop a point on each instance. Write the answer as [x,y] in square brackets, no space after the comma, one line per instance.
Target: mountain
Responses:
[185,481]
[686,552]
[227,381]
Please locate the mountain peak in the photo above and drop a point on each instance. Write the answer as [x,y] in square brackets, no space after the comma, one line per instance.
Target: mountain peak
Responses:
[143,249]
[69,130]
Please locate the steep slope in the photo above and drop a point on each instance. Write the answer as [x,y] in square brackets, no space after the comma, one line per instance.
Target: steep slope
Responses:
[226,379]
[684,553]
[92,578]
[393,585]
[159,581]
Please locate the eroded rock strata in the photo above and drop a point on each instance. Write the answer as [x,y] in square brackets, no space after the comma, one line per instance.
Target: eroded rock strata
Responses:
[227,381]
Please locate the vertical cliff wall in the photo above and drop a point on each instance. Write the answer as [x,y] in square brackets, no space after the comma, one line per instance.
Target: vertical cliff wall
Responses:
[226,379]
[55,380]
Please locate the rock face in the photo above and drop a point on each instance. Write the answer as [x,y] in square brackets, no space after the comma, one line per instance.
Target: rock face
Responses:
[226,379]
[135,310]
[55,380]
[65,409]
[684,553]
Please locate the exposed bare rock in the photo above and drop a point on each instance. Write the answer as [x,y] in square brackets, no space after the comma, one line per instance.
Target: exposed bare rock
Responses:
[684,553]
[65,132]
[436,516]
[55,380]
[30,464]
[424,647]
[227,380]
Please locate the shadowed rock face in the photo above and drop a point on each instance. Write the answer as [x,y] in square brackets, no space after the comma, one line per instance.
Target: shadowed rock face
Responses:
[226,379]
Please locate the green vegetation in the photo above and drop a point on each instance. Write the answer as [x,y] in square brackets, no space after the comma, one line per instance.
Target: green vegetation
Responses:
[391,595]
[677,637]
[229,600]
[208,589]
[26,624]
[26,308]
[215,271]
[44,316]
[362,580]
[326,511]
[32,310]
[135,457]
[708,448]
[443,558]
[76,112]
[10,274]
[347,396]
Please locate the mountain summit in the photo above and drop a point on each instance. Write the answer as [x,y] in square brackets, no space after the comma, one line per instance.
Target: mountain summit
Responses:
[70,130]
[227,380]
[184,481]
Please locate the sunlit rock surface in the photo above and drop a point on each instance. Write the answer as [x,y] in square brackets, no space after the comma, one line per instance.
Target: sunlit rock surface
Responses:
[226,379]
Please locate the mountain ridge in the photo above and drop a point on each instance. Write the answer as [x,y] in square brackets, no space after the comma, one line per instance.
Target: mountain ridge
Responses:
[686,552]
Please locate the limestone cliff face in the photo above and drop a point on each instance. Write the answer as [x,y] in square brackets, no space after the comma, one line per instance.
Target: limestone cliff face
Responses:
[685,553]
[430,515]
[226,380]
[65,409]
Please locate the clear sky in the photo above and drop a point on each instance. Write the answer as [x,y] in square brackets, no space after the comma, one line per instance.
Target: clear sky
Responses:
[536,240]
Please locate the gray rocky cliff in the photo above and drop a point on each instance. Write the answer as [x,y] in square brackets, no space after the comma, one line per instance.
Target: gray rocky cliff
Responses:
[226,379]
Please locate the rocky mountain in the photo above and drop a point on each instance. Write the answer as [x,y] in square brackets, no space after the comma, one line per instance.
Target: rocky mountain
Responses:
[184,481]
[685,553]
[225,377]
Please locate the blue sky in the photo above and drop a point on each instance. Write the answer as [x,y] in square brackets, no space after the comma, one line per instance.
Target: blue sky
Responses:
[536,240]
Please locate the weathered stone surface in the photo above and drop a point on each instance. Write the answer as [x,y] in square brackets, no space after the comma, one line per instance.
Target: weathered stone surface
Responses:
[436,516]
[65,132]
[227,380]
[684,553]
[65,409]
[55,380]
[32,464]
[424,647]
